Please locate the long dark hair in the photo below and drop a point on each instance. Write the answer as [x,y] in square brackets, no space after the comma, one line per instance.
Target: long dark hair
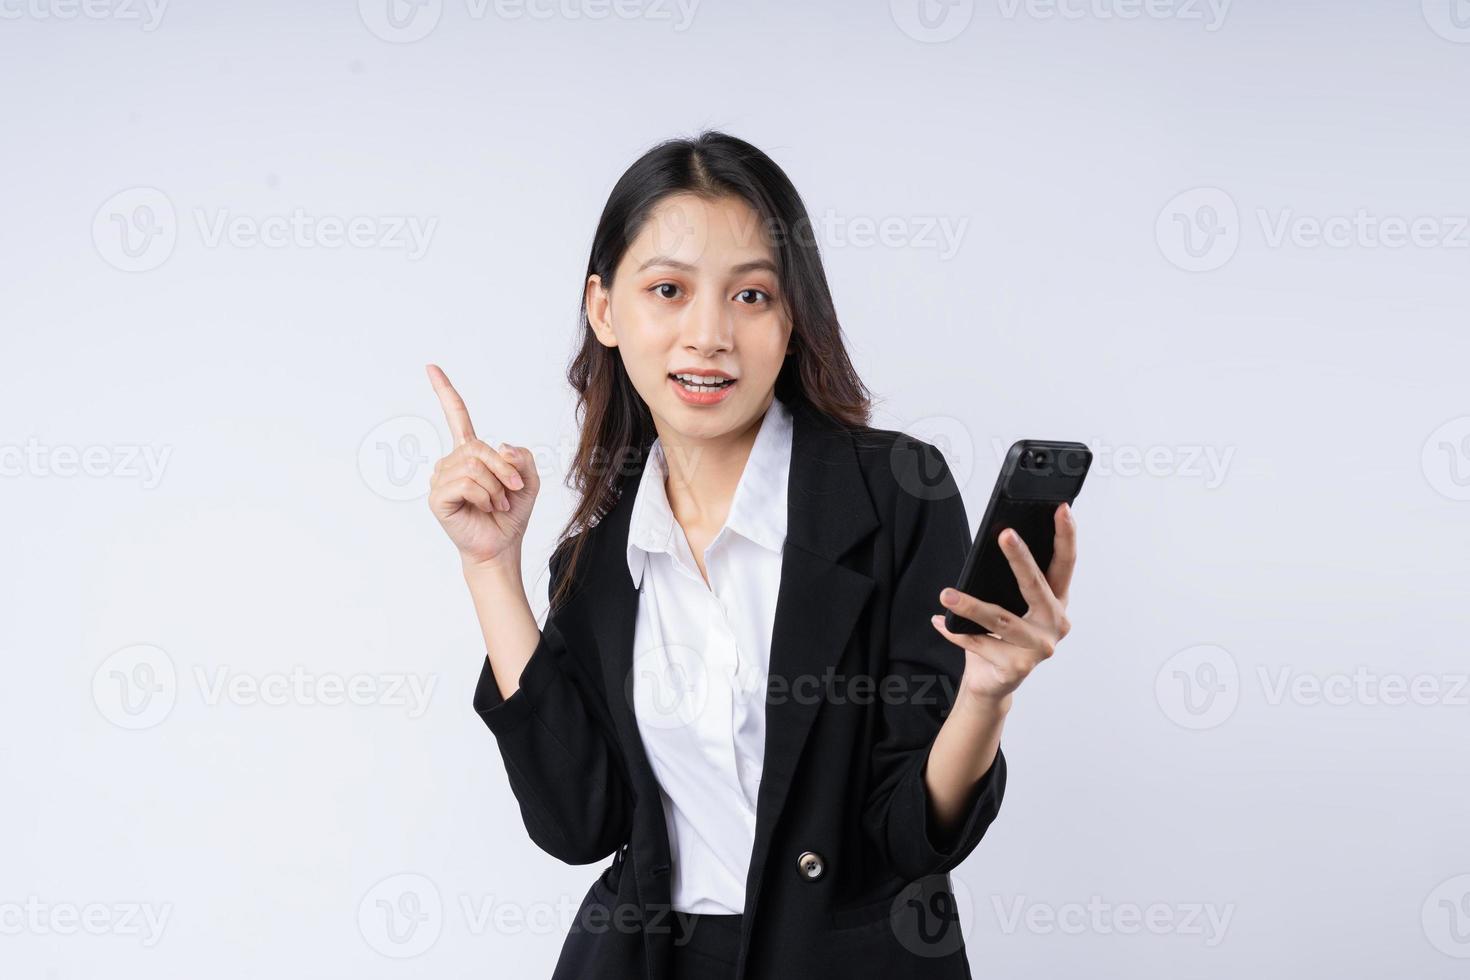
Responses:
[616,427]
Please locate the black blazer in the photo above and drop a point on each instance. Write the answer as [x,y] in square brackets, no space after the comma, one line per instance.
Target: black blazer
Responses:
[847,877]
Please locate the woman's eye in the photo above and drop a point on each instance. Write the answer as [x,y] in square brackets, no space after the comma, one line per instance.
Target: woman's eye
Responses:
[663,286]
[752,292]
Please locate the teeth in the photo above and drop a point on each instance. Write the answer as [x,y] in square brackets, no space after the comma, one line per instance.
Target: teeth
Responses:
[695,381]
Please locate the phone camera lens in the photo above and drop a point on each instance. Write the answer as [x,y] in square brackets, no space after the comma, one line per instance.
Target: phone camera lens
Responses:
[1038,458]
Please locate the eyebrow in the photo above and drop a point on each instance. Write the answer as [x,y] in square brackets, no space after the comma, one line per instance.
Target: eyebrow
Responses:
[756,265]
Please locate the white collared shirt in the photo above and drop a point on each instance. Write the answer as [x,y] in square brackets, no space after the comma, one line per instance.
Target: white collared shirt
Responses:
[700,659]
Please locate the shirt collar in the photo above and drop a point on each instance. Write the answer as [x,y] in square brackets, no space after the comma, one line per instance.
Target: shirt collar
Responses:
[757,511]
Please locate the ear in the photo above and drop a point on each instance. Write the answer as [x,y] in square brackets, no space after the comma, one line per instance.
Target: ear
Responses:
[599,311]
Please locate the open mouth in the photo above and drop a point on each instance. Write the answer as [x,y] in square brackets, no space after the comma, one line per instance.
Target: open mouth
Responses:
[699,383]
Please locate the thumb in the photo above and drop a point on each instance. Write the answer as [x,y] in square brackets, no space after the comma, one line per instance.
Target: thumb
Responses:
[525,465]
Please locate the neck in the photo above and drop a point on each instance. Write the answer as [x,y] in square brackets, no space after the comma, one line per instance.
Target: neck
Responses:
[703,473]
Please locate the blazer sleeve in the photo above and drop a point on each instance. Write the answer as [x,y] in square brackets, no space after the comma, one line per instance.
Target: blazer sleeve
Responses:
[561,761]
[932,536]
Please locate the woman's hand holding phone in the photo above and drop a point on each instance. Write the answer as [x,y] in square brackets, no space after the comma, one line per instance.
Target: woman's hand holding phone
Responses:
[482,496]
[996,664]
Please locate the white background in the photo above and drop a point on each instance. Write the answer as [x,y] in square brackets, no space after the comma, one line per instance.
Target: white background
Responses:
[279,390]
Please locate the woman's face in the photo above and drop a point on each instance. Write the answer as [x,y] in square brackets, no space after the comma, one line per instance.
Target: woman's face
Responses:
[696,293]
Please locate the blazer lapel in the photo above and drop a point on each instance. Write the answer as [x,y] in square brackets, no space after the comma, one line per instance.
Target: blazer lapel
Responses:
[612,614]
[818,603]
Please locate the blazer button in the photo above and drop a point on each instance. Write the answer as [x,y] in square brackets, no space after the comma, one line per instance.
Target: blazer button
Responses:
[811,865]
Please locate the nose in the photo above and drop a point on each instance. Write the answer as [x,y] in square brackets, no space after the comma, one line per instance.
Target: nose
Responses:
[708,328]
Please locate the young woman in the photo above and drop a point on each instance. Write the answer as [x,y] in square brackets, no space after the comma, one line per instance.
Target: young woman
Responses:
[736,692]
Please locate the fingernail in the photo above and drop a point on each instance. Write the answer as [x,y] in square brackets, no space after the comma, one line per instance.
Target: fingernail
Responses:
[948,596]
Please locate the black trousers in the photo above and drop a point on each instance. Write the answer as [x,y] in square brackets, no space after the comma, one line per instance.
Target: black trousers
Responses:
[709,953]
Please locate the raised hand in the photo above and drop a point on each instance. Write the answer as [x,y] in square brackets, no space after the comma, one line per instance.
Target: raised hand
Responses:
[482,496]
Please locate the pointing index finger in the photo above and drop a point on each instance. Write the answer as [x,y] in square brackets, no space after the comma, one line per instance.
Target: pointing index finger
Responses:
[455,411]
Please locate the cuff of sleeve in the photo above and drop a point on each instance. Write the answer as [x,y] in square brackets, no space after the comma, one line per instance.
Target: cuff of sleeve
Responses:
[912,809]
[500,713]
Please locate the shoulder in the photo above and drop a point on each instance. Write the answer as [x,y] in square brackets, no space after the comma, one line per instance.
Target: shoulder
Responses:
[901,470]
[563,552]
[914,492]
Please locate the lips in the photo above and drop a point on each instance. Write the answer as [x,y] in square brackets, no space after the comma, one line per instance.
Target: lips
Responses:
[702,387]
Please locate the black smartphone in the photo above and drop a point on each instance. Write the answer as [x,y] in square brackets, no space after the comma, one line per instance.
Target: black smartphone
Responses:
[1037,477]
